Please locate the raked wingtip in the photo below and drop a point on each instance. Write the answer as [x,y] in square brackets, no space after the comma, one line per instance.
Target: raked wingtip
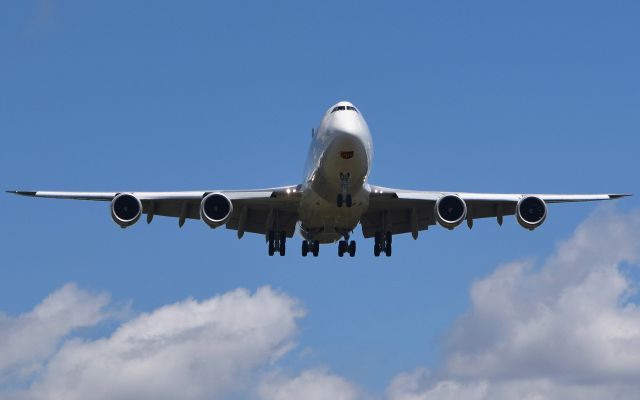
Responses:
[618,196]
[21,192]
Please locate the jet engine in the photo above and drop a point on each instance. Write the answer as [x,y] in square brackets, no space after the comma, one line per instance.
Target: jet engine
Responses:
[450,211]
[215,209]
[531,212]
[125,209]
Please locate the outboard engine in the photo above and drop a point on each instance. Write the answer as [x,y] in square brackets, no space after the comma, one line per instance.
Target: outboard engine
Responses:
[215,209]
[450,211]
[531,212]
[126,209]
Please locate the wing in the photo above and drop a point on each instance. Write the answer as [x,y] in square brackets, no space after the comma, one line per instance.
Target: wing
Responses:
[402,211]
[256,211]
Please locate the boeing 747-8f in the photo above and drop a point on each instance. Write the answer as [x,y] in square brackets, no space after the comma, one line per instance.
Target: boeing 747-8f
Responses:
[333,199]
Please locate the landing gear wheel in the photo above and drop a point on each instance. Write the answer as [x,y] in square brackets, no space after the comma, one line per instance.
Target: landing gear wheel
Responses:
[377,246]
[305,248]
[339,200]
[283,244]
[387,244]
[316,248]
[342,248]
[272,246]
[348,201]
[352,248]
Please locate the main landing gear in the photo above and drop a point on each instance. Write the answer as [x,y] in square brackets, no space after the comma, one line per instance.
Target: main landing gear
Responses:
[310,246]
[277,243]
[382,244]
[343,197]
[345,246]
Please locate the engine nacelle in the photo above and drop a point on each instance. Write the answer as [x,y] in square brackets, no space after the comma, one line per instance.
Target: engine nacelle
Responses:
[450,211]
[126,209]
[215,209]
[531,212]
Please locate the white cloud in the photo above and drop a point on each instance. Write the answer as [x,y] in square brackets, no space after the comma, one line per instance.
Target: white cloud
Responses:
[314,384]
[418,385]
[565,329]
[561,331]
[187,350]
[27,340]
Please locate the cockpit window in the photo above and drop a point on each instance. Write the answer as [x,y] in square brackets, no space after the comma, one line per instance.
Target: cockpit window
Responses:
[342,108]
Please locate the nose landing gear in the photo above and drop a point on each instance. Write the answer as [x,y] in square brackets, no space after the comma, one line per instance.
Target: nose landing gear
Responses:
[346,200]
[344,197]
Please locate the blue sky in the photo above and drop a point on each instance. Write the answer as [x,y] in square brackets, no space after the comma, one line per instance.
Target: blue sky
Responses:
[491,97]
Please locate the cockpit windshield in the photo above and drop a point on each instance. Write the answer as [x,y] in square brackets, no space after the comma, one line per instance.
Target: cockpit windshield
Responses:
[342,108]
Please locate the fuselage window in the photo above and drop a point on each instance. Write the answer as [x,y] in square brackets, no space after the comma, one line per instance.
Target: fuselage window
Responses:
[352,108]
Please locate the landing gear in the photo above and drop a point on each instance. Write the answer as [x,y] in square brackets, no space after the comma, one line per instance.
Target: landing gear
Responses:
[387,245]
[344,246]
[278,244]
[344,197]
[283,244]
[310,246]
[272,246]
[382,243]
[346,200]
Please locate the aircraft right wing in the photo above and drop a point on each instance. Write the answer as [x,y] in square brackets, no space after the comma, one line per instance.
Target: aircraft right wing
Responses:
[256,211]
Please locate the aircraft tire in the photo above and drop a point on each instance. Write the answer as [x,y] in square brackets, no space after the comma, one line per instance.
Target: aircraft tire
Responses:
[341,247]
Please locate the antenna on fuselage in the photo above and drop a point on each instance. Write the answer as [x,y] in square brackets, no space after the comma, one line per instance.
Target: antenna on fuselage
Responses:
[313,132]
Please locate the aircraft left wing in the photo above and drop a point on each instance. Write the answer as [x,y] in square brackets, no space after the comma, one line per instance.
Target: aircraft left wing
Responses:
[402,211]
[257,210]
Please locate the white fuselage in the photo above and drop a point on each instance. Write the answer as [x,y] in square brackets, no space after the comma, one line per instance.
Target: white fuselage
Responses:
[338,163]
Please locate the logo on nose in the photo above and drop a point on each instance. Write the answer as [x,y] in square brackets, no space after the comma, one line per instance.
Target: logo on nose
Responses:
[346,154]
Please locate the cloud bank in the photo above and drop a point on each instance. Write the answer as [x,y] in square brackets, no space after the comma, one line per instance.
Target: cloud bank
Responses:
[187,350]
[567,328]
[27,340]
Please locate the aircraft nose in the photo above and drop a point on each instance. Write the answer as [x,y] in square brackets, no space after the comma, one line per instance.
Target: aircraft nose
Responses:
[346,123]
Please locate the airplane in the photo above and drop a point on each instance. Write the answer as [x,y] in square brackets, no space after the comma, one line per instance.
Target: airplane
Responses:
[333,200]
